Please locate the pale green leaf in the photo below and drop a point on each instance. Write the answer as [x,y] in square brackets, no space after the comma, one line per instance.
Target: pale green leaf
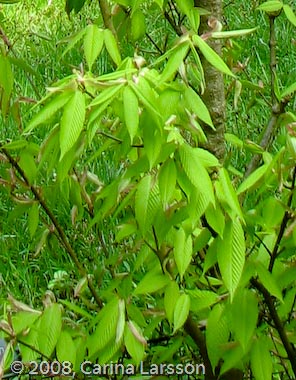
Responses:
[289,90]
[261,360]
[201,299]
[66,350]
[211,56]
[112,46]
[33,219]
[244,314]
[121,321]
[151,283]
[50,329]
[141,203]
[171,296]
[290,14]
[181,311]
[197,106]
[269,281]
[106,96]
[93,43]
[231,255]
[217,334]
[253,180]
[270,6]
[167,181]
[134,347]
[232,33]
[185,6]
[196,172]
[131,111]
[174,62]
[72,122]
[48,110]
[137,25]
[227,196]
[182,251]
[105,331]
[73,40]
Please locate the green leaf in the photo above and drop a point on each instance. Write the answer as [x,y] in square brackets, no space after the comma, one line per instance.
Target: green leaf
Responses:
[174,62]
[141,203]
[121,321]
[6,82]
[132,342]
[290,14]
[28,164]
[138,25]
[66,350]
[261,360]
[49,110]
[254,180]
[131,111]
[270,6]
[231,255]
[244,313]
[23,320]
[201,299]
[185,6]
[106,96]
[289,90]
[73,40]
[211,56]
[233,33]
[215,218]
[269,281]
[33,219]
[181,311]
[167,181]
[196,173]
[50,329]
[198,106]
[72,122]
[171,296]
[152,282]
[182,251]
[112,47]
[93,43]
[105,331]
[227,196]
[217,334]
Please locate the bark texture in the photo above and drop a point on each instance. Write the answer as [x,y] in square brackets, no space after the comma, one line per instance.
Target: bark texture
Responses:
[214,95]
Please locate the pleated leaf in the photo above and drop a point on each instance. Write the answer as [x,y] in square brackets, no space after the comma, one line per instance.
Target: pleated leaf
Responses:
[182,251]
[93,43]
[72,122]
[131,111]
[112,47]
[50,329]
[261,360]
[231,255]
[181,311]
[211,56]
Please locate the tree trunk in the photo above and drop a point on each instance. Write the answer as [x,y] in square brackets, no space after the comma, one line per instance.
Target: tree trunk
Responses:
[214,95]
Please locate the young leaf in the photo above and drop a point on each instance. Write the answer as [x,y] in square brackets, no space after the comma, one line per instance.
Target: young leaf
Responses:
[66,350]
[231,255]
[106,329]
[270,6]
[182,251]
[211,56]
[167,181]
[93,44]
[198,106]
[138,25]
[105,97]
[261,360]
[72,122]
[254,180]
[201,299]
[151,282]
[181,311]
[33,219]
[121,321]
[112,47]
[290,14]
[131,111]
[217,334]
[134,347]
[233,33]
[50,329]
[171,296]
[174,62]
[244,313]
[141,203]
[48,110]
